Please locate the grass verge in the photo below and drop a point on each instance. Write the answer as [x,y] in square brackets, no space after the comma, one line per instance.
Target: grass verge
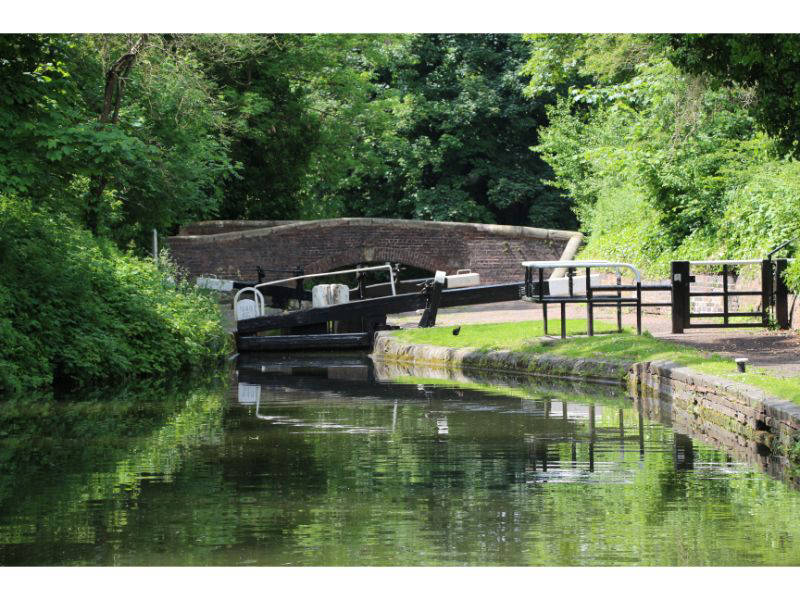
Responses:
[496,336]
[626,346]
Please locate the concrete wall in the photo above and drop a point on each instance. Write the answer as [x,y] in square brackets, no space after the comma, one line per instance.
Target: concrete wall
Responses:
[232,249]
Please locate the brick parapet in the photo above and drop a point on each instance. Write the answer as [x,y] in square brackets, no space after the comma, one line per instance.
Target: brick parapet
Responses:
[494,251]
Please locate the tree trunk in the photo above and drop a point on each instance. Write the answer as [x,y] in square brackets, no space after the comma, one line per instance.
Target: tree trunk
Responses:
[112,98]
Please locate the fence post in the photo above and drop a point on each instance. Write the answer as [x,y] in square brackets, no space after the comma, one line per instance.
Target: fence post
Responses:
[619,304]
[589,305]
[541,299]
[528,282]
[725,318]
[680,295]
[434,297]
[781,295]
[638,308]
[766,290]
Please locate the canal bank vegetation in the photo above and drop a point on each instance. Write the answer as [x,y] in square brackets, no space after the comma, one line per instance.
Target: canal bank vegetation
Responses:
[525,337]
[76,310]
[674,147]
[657,147]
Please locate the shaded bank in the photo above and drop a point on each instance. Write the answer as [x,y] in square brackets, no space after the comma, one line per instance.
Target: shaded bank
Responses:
[76,311]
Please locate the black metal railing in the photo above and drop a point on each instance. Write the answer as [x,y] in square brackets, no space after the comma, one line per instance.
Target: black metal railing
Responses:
[772,292]
[538,290]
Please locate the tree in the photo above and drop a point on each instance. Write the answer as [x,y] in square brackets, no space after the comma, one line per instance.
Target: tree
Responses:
[299,108]
[650,154]
[769,64]
[40,105]
[115,81]
[460,149]
[120,165]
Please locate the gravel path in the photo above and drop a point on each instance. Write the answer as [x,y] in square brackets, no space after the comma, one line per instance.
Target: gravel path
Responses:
[776,351]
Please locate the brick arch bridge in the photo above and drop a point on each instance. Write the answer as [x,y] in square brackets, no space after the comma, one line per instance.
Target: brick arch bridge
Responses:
[232,249]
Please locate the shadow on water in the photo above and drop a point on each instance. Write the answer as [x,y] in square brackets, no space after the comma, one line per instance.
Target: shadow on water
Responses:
[72,465]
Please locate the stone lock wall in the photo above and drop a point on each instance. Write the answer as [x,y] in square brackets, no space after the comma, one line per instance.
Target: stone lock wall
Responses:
[727,413]
[232,249]
[730,415]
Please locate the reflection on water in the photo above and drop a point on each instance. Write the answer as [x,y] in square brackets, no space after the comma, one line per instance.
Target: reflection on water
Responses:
[306,462]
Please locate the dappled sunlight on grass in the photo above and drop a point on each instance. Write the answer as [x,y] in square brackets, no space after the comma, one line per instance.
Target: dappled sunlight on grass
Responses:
[622,346]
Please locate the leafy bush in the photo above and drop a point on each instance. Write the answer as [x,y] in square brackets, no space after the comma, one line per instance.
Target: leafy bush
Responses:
[75,310]
[661,165]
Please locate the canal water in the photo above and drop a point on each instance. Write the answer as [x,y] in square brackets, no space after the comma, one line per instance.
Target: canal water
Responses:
[320,463]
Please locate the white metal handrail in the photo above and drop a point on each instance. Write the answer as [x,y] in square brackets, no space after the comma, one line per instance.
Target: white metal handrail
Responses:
[577,264]
[356,270]
[259,300]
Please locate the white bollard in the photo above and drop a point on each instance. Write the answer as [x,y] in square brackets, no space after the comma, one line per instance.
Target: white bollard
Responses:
[246,309]
[463,278]
[329,295]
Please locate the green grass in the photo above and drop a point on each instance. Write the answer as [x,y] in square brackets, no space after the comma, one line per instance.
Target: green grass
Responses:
[495,336]
[625,346]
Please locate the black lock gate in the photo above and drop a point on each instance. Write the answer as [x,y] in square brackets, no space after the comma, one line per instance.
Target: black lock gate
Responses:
[773,294]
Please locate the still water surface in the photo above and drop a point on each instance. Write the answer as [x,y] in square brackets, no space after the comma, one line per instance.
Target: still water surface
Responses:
[326,466]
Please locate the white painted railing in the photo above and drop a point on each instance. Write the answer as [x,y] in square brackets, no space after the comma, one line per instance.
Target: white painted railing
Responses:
[578,264]
[247,308]
[331,273]
[255,308]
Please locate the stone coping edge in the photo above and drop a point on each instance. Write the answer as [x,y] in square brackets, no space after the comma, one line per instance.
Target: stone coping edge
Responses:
[388,347]
[780,418]
[504,230]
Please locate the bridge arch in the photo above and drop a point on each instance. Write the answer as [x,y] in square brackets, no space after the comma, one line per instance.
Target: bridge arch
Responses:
[232,249]
[364,256]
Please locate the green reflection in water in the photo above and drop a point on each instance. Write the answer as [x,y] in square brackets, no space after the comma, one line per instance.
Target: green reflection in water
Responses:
[316,471]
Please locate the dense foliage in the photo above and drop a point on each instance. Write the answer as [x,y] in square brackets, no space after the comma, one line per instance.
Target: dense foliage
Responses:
[75,310]
[155,160]
[768,64]
[126,132]
[657,146]
[459,148]
[661,163]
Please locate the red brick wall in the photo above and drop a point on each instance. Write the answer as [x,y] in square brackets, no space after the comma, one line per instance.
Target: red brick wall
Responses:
[494,251]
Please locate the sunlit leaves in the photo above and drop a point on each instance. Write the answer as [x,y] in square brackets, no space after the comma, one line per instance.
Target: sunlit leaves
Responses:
[655,158]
